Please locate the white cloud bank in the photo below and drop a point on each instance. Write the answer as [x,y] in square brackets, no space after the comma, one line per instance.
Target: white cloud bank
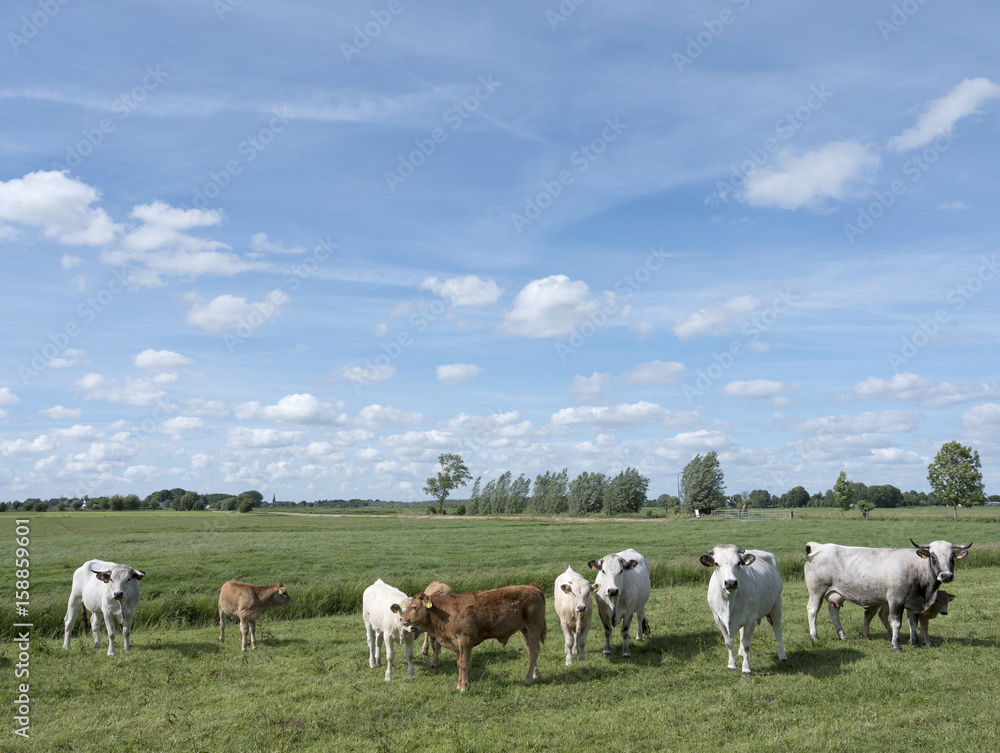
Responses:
[941,115]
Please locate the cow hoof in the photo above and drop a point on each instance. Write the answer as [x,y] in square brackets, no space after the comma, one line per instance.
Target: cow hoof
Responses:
[897,648]
[607,653]
[746,674]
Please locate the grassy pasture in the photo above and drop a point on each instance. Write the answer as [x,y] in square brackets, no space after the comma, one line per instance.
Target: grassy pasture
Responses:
[309,688]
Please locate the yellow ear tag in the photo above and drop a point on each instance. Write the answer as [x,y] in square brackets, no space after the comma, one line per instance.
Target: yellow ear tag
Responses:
[428,604]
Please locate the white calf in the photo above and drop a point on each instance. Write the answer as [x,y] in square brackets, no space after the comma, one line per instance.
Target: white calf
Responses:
[745,587]
[108,589]
[573,605]
[382,624]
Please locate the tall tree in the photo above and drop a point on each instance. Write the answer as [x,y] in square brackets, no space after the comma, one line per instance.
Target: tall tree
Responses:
[955,476]
[843,492]
[453,474]
[625,493]
[517,496]
[703,483]
[474,497]
[586,494]
[797,497]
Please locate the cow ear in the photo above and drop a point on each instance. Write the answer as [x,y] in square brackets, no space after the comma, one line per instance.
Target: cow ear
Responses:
[138,574]
[103,575]
[428,604]
[923,554]
[395,608]
[961,553]
[594,586]
[706,560]
[630,565]
[748,559]
[566,588]
[595,564]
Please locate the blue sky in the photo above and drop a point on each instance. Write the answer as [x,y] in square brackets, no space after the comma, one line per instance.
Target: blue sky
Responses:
[306,247]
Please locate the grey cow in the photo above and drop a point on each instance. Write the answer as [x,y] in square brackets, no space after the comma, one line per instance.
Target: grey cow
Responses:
[899,578]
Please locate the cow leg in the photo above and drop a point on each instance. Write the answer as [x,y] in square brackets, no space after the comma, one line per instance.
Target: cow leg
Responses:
[626,625]
[390,654]
[870,613]
[746,633]
[581,644]
[127,631]
[896,620]
[531,640]
[926,639]
[464,660]
[570,642]
[244,629]
[727,637]
[641,617]
[834,610]
[812,609]
[109,623]
[883,614]
[408,647]
[222,626]
[775,618]
[912,619]
[95,628]
[253,634]
[436,656]
[72,610]
[607,635]
[427,641]
[372,660]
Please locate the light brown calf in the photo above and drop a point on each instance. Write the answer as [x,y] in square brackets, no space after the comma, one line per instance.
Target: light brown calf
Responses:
[248,604]
[940,606]
[462,621]
[434,588]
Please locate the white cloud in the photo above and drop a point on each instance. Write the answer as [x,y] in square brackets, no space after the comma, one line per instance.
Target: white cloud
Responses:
[365,376]
[69,357]
[378,416]
[464,291]
[654,372]
[59,412]
[260,243]
[42,443]
[840,170]
[293,409]
[622,416]
[7,397]
[226,311]
[162,248]
[70,260]
[59,205]
[180,427]
[911,388]
[132,392]
[160,360]
[952,205]
[259,439]
[940,115]
[757,388]
[885,422]
[555,306]
[589,389]
[452,373]
[76,433]
[983,419]
[714,320]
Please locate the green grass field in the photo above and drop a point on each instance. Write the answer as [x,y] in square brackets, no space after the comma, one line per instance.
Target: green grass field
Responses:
[309,688]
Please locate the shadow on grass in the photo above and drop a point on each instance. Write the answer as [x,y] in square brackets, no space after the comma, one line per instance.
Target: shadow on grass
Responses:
[819,662]
[192,648]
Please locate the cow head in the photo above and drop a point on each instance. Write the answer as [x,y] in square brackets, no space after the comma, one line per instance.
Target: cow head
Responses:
[413,613]
[941,556]
[943,599]
[579,590]
[281,595]
[117,577]
[610,579]
[727,561]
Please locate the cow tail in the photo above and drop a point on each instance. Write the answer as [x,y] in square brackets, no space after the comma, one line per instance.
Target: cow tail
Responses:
[771,621]
[646,629]
[86,620]
[545,632]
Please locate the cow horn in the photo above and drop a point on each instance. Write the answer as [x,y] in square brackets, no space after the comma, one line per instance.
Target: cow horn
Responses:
[918,546]
[963,547]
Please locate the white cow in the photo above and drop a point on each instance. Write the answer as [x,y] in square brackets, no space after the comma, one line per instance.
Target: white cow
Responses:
[573,605]
[108,589]
[745,587]
[384,624]
[622,587]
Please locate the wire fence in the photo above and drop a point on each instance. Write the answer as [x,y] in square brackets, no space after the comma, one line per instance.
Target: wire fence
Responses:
[751,514]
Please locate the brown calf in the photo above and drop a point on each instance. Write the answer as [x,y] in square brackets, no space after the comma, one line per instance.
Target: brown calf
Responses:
[940,606]
[435,587]
[248,604]
[461,621]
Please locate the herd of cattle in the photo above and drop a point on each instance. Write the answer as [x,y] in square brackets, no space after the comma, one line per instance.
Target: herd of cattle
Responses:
[745,587]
